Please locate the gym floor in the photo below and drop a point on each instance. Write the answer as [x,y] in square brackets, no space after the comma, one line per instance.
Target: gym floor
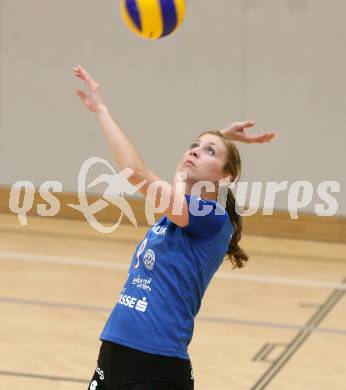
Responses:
[279,323]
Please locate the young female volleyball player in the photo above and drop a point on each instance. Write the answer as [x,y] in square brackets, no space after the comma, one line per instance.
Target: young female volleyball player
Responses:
[145,340]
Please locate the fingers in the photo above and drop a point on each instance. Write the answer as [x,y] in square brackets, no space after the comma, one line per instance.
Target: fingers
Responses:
[242,125]
[248,123]
[81,94]
[237,132]
[84,75]
[255,138]
[78,71]
[266,137]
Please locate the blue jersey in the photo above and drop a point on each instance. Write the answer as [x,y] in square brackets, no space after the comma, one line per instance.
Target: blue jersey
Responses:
[169,273]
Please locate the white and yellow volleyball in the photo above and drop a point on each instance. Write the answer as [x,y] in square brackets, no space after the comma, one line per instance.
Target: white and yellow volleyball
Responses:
[153,19]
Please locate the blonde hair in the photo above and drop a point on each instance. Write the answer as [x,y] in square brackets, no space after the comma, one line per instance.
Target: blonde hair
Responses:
[236,255]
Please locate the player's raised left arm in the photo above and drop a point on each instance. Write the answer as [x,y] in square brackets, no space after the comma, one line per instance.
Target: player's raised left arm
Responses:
[237,132]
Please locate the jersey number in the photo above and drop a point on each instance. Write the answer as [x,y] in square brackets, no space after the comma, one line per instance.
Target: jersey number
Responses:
[140,251]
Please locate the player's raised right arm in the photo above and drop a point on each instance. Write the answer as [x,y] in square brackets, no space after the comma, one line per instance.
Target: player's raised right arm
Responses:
[126,155]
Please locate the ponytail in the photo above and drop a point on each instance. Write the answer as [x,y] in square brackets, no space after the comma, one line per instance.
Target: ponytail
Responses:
[233,166]
[236,254]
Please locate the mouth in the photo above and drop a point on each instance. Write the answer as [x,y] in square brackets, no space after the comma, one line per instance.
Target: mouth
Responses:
[189,162]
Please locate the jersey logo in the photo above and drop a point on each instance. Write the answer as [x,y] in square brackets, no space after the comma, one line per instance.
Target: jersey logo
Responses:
[133,303]
[142,305]
[100,372]
[159,230]
[149,259]
[192,375]
[142,283]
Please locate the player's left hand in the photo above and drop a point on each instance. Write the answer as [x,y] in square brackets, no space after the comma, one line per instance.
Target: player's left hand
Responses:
[236,132]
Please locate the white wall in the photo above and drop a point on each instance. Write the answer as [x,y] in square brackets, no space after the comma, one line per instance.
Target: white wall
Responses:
[280,62]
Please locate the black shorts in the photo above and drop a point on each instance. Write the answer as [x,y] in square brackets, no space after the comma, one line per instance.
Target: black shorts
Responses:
[123,368]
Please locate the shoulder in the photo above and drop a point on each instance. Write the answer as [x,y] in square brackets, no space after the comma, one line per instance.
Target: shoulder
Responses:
[206,217]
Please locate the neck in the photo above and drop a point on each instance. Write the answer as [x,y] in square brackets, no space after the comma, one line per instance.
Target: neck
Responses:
[206,195]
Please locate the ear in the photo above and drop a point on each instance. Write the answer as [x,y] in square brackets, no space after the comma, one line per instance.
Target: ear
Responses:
[225,180]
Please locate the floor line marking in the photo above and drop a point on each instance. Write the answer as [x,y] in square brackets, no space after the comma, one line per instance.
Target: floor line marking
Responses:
[45,377]
[23,256]
[298,340]
[215,319]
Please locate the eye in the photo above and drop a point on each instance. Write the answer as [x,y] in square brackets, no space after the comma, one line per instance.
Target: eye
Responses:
[193,145]
[210,150]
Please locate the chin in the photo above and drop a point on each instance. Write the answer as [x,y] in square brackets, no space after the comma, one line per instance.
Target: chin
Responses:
[187,172]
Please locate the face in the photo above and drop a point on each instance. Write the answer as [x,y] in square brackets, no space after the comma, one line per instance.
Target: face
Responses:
[204,160]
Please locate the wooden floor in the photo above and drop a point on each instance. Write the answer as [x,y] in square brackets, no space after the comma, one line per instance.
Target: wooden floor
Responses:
[280,323]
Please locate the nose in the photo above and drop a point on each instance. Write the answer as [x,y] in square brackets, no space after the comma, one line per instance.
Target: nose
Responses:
[194,152]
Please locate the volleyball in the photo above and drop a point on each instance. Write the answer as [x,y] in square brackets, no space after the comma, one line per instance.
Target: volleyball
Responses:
[153,19]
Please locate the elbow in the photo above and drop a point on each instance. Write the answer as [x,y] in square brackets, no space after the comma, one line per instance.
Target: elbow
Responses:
[138,175]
